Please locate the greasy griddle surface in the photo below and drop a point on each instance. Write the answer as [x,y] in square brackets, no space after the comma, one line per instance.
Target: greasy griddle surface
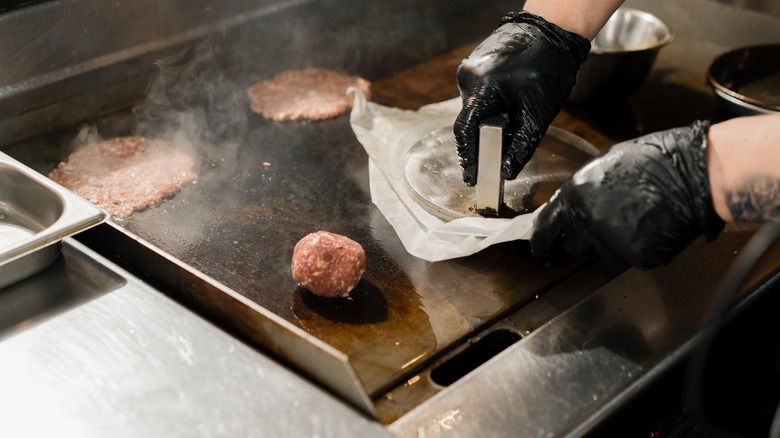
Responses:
[239,223]
[257,196]
[261,190]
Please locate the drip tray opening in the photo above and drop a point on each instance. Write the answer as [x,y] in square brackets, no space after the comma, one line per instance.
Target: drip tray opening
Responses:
[473,356]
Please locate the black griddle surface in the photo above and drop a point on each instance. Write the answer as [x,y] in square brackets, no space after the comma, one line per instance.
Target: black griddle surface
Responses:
[266,185]
[256,196]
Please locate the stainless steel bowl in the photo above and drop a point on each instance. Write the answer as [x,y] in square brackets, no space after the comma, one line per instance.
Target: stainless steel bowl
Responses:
[747,80]
[621,56]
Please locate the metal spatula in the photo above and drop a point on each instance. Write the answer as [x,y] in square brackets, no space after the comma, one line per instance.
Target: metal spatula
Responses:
[490,184]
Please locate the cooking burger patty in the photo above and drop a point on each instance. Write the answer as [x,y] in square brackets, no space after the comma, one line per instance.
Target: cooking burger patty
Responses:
[125,174]
[311,93]
[328,264]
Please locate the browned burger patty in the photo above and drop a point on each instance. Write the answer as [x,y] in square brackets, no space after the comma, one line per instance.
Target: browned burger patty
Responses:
[328,264]
[312,93]
[125,174]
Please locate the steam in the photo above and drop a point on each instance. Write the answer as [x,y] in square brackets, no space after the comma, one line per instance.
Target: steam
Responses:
[193,100]
[87,134]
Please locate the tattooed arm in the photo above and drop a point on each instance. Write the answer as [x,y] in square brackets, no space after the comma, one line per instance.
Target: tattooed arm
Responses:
[744,168]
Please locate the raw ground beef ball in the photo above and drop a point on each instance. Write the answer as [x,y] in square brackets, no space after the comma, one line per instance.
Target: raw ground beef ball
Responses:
[328,264]
[310,93]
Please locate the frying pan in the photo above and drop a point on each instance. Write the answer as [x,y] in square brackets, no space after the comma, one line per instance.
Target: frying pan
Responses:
[747,80]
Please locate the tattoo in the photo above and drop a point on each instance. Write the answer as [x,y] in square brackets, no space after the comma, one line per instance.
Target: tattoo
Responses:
[758,200]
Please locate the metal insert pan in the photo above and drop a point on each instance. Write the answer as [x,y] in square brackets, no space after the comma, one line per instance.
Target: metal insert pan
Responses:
[35,215]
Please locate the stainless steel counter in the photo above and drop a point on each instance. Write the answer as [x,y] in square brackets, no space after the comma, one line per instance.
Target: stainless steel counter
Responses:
[574,371]
[88,350]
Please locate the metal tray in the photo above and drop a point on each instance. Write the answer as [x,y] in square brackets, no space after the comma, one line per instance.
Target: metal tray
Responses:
[35,215]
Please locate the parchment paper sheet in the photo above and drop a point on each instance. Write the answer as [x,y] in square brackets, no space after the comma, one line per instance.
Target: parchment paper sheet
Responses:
[387,134]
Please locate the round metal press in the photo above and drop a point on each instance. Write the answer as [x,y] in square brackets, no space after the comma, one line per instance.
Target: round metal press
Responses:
[434,177]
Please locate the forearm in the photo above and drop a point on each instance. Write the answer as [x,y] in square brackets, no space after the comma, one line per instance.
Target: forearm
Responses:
[743,162]
[585,18]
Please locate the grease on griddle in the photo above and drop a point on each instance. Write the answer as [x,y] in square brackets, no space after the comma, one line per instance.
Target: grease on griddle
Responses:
[365,305]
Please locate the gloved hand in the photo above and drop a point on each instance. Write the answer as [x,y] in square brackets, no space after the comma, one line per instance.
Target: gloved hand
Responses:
[641,201]
[525,69]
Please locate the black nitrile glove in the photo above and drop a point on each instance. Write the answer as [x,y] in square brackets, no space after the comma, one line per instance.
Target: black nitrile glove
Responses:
[641,201]
[525,69]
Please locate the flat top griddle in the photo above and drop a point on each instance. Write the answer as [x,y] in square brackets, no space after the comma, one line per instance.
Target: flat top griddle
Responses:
[264,185]
[256,197]
[261,189]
